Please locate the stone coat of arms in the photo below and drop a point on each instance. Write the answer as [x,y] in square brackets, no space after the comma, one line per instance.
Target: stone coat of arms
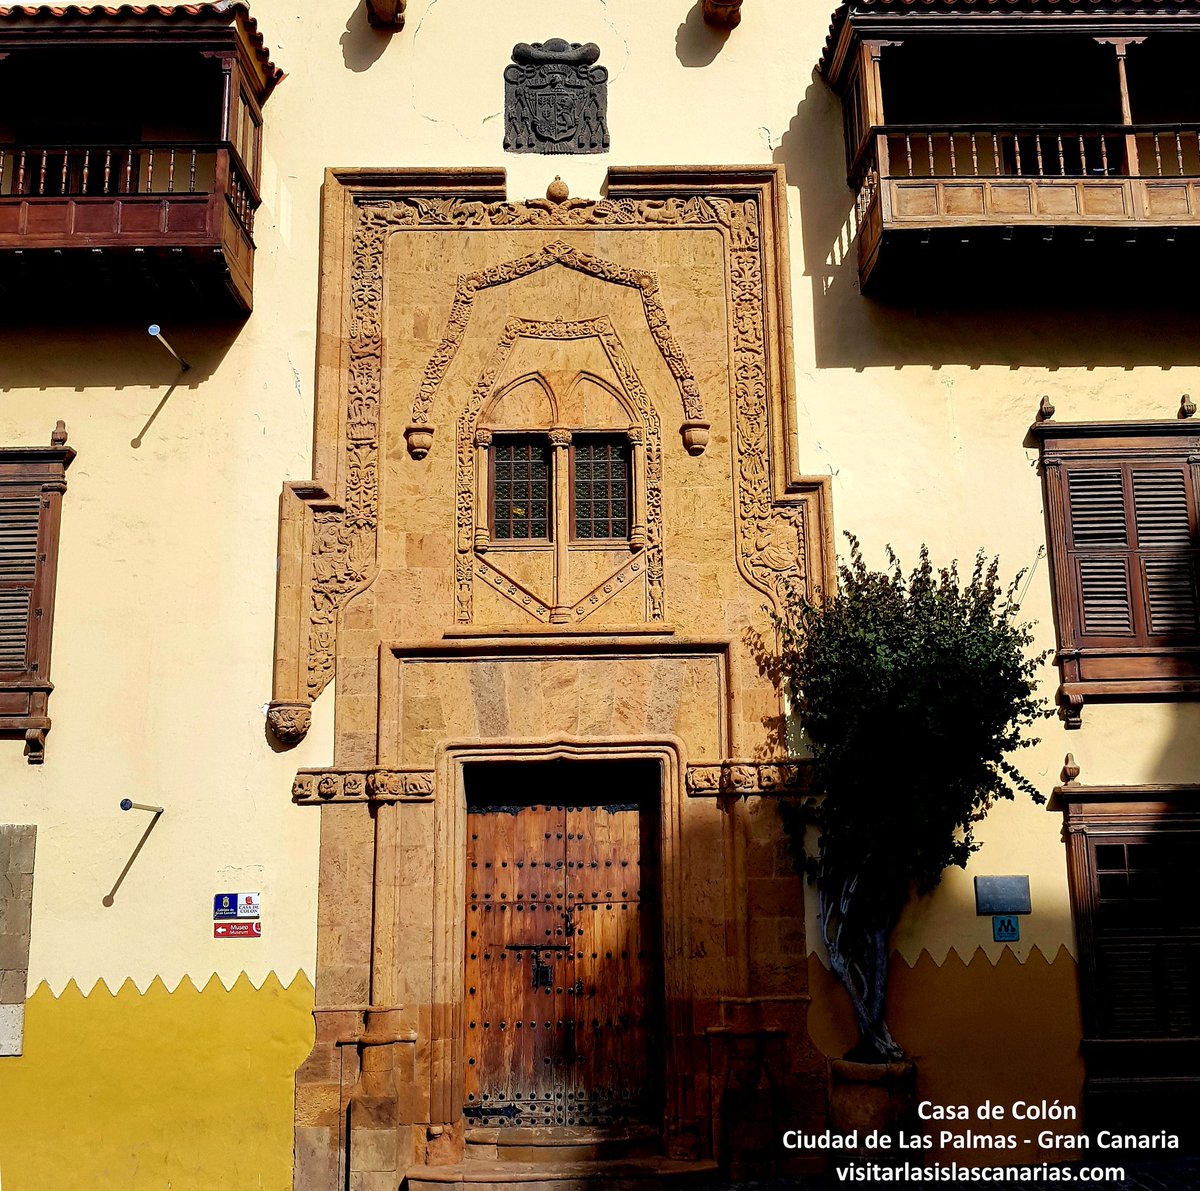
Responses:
[555,99]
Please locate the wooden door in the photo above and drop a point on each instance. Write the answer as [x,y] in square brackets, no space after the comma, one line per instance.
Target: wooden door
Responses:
[561,971]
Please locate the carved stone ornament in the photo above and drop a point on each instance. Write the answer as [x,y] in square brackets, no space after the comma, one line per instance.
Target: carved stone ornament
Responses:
[771,537]
[747,777]
[555,99]
[419,440]
[315,786]
[289,722]
[471,538]
[724,14]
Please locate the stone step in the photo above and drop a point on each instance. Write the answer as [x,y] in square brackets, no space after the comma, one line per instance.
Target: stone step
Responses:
[561,1144]
[629,1174]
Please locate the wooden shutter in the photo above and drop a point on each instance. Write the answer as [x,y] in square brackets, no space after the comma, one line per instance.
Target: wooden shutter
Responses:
[1164,519]
[20,517]
[1133,544]
[32,481]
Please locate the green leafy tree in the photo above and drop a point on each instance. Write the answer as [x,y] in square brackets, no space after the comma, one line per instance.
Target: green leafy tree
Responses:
[913,692]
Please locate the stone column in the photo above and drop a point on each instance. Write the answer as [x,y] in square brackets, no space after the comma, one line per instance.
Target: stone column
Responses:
[560,478]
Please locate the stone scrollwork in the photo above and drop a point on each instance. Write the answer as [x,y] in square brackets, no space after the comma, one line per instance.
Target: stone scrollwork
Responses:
[744,778]
[561,253]
[468,560]
[313,787]
[772,537]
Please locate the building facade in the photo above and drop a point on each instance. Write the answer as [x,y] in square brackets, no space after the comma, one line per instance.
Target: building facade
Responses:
[574,341]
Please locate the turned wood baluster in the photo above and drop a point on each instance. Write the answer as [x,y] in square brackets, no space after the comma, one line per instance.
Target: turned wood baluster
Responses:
[107,168]
[908,152]
[953,158]
[974,157]
[21,173]
[1083,165]
[1062,158]
[128,170]
[62,184]
[150,172]
[1179,151]
[1158,152]
[192,174]
[87,160]
[1104,154]
[996,151]
[42,175]
[1017,149]
[1037,140]
[171,172]
[929,146]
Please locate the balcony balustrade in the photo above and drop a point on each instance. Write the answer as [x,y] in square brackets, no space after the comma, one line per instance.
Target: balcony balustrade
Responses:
[147,196]
[968,175]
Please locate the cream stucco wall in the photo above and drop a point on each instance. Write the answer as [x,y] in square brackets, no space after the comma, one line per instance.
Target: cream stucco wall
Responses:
[166,584]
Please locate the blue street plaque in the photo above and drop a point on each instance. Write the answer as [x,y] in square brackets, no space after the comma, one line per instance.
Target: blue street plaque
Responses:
[225,905]
[1006,928]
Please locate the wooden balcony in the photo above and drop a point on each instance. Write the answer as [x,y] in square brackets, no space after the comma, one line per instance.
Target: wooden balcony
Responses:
[172,224]
[954,185]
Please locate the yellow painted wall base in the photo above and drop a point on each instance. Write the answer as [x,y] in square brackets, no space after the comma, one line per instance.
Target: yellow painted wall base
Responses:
[188,1090]
[977,1032]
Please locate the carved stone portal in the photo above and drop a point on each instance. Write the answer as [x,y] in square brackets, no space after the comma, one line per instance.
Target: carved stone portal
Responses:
[555,99]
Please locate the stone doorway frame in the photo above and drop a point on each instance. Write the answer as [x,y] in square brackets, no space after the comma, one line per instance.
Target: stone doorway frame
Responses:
[450,916]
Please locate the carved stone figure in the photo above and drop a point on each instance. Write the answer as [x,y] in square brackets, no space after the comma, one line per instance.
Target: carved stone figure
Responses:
[289,721]
[555,99]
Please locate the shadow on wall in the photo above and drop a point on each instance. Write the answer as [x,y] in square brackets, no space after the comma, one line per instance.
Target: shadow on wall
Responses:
[696,42]
[1179,760]
[1031,331]
[362,44]
[88,355]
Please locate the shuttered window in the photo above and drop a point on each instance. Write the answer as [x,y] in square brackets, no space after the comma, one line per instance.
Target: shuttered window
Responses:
[32,483]
[1133,541]
[19,521]
[1123,537]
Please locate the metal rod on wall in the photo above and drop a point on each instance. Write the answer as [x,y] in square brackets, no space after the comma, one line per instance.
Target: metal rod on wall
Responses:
[155,331]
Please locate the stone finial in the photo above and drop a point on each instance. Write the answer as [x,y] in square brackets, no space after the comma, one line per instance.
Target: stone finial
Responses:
[1187,407]
[558,191]
[58,436]
[419,439]
[1045,408]
[1070,770]
[724,14]
[695,436]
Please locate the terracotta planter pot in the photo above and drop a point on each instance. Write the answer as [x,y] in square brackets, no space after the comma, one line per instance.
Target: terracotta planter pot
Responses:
[872,1096]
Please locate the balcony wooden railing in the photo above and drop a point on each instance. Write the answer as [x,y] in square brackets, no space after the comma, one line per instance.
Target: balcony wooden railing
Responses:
[968,177]
[195,196]
[146,168]
[1038,151]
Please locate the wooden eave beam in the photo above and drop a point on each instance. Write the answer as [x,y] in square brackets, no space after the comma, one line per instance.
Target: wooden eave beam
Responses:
[861,26]
[885,25]
[386,14]
[148,34]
